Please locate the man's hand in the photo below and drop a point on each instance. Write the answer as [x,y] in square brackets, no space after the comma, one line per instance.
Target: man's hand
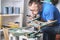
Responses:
[51,21]
[38,27]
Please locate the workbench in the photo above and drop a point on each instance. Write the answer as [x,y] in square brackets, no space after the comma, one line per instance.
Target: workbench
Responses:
[19,32]
[23,34]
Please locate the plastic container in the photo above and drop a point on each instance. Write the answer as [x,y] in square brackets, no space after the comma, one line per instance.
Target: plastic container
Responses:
[17,10]
[10,10]
[4,10]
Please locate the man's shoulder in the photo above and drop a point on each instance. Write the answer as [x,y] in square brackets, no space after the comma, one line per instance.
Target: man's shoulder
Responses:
[48,5]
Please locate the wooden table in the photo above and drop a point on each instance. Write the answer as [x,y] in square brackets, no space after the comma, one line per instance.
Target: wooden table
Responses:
[18,33]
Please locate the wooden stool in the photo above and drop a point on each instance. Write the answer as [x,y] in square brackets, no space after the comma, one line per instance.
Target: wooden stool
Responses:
[12,37]
[58,37]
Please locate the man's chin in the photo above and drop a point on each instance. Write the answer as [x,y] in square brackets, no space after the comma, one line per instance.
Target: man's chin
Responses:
[35,14]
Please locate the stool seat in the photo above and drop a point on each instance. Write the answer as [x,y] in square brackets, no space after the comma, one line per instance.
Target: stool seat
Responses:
[57,36]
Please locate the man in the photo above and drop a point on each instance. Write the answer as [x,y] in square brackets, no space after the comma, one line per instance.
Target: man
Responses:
[48,13]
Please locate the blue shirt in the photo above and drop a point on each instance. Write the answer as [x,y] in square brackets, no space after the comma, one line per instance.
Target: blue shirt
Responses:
[50,12]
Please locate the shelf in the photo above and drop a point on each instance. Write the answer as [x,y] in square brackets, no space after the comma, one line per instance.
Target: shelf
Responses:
[10,15]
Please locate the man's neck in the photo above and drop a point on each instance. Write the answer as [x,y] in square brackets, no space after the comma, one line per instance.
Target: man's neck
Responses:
[41,7]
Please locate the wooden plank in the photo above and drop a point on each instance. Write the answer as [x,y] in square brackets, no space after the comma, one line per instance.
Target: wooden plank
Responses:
[0,21]
[5,31]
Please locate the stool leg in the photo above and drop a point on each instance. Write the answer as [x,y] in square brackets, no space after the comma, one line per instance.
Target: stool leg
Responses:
[14,38]
[23,38]
[0,35]
[11,37]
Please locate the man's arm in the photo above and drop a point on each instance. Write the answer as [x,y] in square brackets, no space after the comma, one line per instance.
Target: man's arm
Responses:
[52,22]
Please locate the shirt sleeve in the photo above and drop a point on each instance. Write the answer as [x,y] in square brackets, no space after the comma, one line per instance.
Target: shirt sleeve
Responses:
[49,14]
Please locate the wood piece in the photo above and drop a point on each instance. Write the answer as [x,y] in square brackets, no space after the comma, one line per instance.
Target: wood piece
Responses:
[5,31]
[0,21]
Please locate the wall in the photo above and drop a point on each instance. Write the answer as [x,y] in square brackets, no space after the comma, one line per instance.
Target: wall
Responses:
[13,3]
[47,0]
[58,5]
[26,11]
[0,6]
